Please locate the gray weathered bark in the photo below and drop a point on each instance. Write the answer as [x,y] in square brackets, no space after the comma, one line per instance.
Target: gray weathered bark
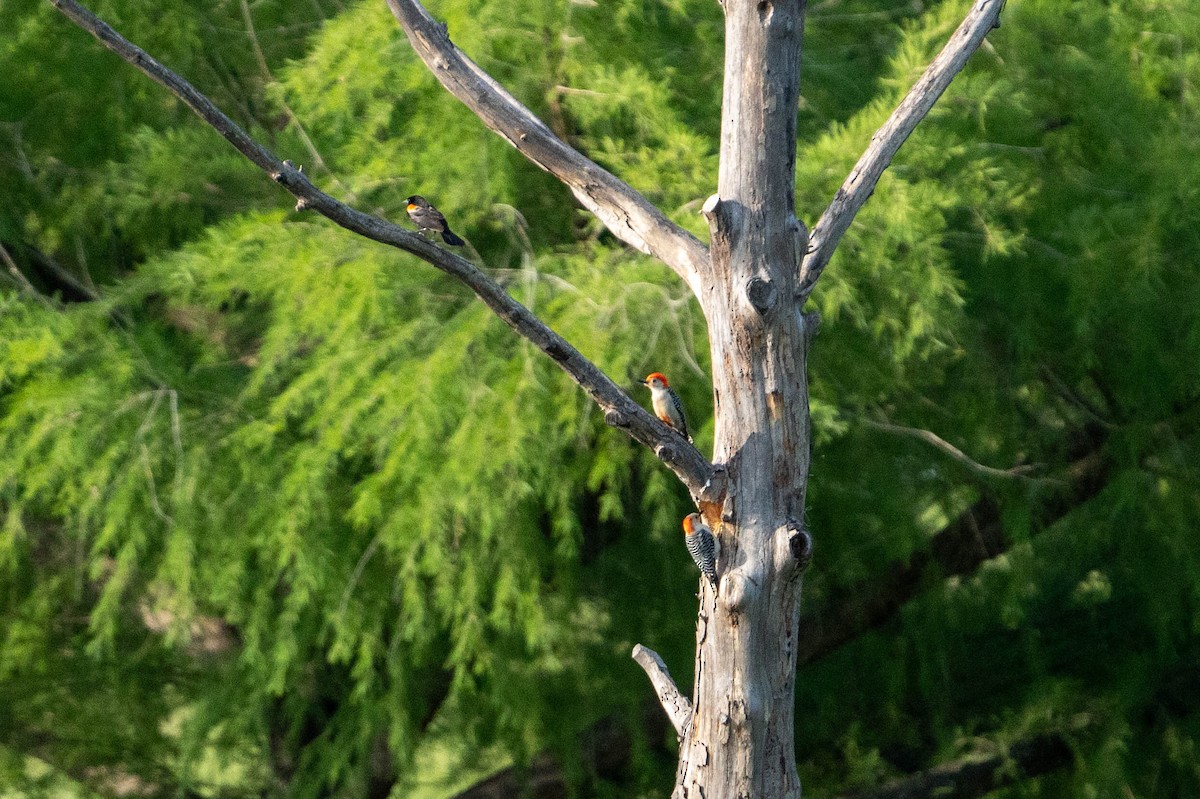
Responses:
[679,709]
[741,739]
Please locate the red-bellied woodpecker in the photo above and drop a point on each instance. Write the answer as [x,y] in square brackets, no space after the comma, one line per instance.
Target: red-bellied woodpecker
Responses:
[701,545]
[666,403]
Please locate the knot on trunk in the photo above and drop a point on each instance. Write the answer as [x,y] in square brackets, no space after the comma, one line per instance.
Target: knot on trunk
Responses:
[741,587]
[615,418]
[800,543]
[711,206]
[725,219]
[666,452]
[761,294]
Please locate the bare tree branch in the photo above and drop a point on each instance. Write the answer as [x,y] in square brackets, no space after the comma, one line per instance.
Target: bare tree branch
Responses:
[959,548]
[1075,398]
[859,186]
[676,705]
[933,439]
[619,409]
[966,778]
[962,546]
[973,777]
[630,216]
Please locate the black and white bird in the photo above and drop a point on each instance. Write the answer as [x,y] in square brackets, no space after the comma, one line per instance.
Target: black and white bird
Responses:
[701,545]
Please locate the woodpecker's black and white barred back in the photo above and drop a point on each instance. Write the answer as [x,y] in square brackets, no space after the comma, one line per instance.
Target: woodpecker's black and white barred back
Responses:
[678,406]
[701,545]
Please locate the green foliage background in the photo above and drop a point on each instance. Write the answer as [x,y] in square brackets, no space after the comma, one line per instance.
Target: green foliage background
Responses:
[285,512]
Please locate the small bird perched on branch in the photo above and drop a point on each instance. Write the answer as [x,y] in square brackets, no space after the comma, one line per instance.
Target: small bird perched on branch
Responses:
[426,217]
[701,545]
[666,403]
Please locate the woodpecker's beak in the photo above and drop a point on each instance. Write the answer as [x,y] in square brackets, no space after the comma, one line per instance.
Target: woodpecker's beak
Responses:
[645,382]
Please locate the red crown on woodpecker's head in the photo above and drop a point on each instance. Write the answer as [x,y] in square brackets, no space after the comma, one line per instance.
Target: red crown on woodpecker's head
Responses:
[659,376]
[691,522]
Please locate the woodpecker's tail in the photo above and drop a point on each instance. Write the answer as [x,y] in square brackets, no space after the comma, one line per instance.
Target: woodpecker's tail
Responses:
[451,239]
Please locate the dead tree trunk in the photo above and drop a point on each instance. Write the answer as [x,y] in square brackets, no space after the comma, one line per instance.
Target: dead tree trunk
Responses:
[740,742]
